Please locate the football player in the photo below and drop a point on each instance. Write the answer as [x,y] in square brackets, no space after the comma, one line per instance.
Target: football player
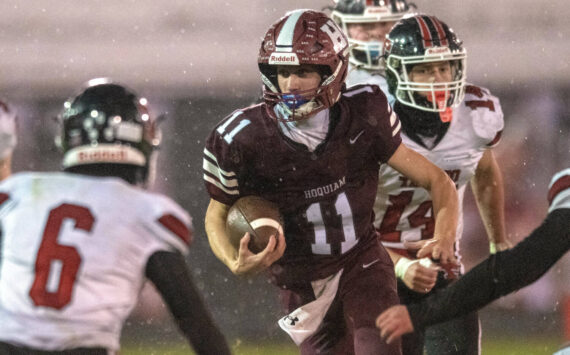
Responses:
[498,275]
[7,138]
[78,245]
[314,148]
[455,125]
[366,24]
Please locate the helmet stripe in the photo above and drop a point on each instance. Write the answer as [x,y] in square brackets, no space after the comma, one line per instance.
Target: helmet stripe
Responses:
[440,31]
[284,42]
[426,34]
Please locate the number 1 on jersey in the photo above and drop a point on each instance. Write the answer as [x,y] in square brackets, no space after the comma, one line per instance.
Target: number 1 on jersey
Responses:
[342,211]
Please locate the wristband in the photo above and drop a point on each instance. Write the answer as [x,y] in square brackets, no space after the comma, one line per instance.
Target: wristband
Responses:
[402,266]
[495,247]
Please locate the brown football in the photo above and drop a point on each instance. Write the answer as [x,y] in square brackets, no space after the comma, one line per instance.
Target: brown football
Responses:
[259,217]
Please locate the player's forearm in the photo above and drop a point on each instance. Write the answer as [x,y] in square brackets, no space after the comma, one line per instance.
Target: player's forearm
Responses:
[168,272]
[488,189]
[215,225]
[445,207]
[498,275]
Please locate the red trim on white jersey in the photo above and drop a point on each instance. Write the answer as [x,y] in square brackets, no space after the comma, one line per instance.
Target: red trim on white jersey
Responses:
[176,226]
[560,185]
[495,140]
[4,197]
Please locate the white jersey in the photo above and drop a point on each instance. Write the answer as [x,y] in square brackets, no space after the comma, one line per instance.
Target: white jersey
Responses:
[73,256]
[360,76]
[404,212]
[7,130]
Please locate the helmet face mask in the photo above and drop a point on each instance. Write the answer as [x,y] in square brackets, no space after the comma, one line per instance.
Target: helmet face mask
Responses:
[368,54]
[108,124]
[303,37]
[424,40]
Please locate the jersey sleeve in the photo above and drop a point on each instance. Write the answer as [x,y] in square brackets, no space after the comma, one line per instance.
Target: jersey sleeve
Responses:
[488,118]
[222,159]
[559,191]
[169,226]
[387,127]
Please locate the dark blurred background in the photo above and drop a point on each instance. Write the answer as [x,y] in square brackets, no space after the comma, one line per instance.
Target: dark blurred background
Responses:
[196,62]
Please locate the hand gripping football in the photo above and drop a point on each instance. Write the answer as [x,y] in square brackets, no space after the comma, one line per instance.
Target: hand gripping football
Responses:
[259,217]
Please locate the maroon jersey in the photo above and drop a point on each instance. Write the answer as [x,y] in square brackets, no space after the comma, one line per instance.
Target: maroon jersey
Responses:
[326,196]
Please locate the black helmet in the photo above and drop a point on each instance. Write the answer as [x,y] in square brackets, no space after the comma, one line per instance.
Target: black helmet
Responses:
[424,39]
[364,54]
[108,124]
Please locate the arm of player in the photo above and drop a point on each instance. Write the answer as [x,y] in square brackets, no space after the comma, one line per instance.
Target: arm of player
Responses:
[444,196]
[242,261]
[488,189]
[498,275]
[419,275]
[168,272]
[215,225]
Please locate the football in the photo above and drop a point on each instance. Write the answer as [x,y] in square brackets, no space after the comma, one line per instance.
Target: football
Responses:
[258,216]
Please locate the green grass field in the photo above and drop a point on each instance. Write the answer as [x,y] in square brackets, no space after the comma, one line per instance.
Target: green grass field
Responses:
[503,346]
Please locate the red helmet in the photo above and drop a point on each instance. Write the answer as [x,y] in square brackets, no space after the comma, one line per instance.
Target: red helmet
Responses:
[303,37]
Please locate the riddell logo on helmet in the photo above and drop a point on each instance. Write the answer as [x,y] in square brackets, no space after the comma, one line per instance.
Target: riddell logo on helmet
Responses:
[102,155]
[438,50]
[376,10]
[283,58]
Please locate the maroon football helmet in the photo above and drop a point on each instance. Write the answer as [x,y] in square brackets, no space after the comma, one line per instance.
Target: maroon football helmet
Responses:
[303,37]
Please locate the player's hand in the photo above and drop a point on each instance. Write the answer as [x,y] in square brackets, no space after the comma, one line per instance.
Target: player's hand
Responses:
[421,275]
[393,323]
[250,263]
[439,250]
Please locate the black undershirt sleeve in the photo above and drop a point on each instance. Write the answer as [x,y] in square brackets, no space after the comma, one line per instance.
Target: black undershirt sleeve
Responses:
[498,275]
[169,273]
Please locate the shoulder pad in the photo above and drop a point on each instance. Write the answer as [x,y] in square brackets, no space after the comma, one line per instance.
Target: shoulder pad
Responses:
[369,100]
[486,113]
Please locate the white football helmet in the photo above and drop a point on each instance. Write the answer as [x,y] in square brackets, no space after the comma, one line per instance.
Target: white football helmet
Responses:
[367,54]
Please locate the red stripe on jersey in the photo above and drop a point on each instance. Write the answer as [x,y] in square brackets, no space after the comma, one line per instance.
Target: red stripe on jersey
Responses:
[424,29]
[440,31]
[496,139]
[560,185]
[4,107]
[4,197]
[474,90]
[177,227]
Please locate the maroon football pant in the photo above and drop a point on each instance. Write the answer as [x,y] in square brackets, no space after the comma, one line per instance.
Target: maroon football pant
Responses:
[366,288]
